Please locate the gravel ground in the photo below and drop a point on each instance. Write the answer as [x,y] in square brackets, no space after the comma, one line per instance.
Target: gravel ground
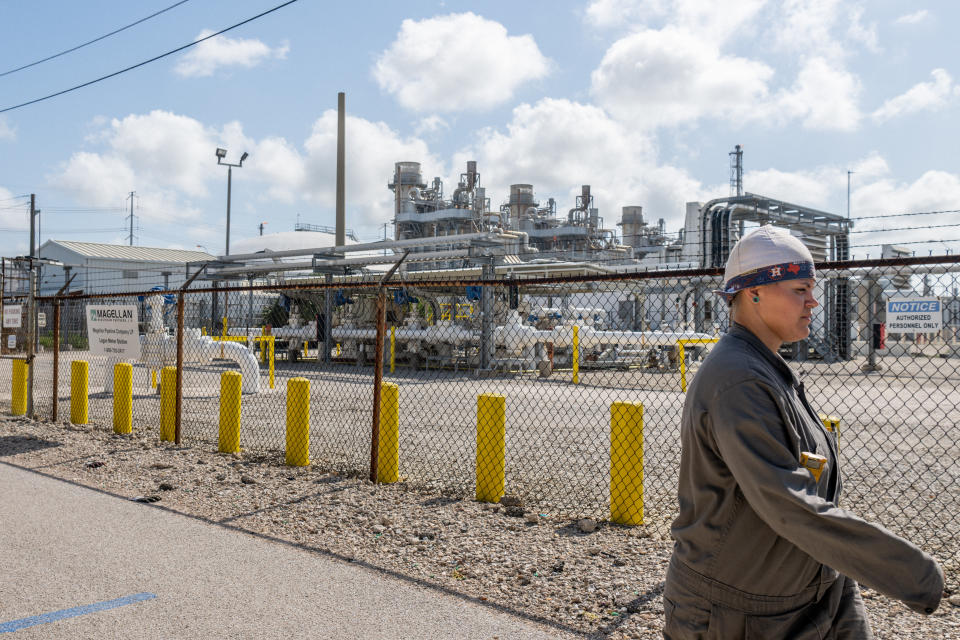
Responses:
[585,579]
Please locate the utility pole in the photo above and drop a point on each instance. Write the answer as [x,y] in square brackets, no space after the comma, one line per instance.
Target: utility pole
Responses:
[132,194]
[341,224]
[31,306]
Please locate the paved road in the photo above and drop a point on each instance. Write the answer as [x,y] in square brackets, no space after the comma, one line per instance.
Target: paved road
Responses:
[65,546]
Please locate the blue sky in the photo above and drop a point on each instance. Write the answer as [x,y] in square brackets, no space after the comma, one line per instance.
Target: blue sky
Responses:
[641,99]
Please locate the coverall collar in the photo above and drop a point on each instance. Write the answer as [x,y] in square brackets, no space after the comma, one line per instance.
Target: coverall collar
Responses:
[739,331]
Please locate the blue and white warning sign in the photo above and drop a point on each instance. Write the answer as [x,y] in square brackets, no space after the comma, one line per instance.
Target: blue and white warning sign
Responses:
[914,315]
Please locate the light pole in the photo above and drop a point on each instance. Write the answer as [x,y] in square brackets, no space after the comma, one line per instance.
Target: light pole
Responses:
[221,154]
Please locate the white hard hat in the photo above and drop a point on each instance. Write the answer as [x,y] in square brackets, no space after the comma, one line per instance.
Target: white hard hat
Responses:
[767,255]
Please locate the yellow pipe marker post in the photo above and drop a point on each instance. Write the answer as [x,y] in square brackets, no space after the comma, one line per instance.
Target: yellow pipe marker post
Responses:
[682,356]
[230,412]
[491,447]
[298,422]
[832,424]
[626,463]
[78,391]
[18,404]
[153,378]
[393,344]
[272,339]
[576,354]
[123,397]
[388,444]
[168,403]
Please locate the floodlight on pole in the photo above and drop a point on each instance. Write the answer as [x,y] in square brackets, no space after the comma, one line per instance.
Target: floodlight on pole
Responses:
[221,154]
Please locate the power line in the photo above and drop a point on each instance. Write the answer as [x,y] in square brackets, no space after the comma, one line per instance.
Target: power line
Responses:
[900,215]
[80,46]
[145,62]
[929,226]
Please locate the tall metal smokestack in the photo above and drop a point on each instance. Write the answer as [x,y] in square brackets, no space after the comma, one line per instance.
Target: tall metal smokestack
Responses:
[341,216]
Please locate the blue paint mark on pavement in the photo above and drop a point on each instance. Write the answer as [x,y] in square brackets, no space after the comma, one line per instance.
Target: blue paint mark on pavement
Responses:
[23,623]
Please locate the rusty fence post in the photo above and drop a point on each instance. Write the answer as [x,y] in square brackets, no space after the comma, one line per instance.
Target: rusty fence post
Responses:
[179,401]
[178,406]
[378,366]
[56,358]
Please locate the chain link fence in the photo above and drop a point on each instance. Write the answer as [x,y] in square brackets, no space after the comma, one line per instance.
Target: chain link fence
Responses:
[566,392]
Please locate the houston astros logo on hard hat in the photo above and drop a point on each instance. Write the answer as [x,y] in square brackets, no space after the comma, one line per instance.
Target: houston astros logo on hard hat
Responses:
[776,272]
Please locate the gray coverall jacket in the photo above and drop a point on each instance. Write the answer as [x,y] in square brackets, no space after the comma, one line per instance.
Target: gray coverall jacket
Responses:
[762,549]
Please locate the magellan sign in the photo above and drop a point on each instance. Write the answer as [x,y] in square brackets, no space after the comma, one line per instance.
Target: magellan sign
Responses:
[914,315]
[113,331]
[112,313]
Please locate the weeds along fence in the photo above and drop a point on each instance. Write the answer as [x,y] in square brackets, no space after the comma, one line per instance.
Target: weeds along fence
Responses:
[528,386]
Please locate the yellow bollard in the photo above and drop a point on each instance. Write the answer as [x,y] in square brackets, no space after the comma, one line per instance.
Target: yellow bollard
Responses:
[153,378]
[78,391]
[393,346]
[491,447]
[338,349]
[576,354]
[230,412]
[168,403]
[271,361]
[388,444]
[298,422]
[123,397]
[18,404]
[305,354]
[626,463]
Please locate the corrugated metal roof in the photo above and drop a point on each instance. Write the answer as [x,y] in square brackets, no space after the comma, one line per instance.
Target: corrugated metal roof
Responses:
[124,252]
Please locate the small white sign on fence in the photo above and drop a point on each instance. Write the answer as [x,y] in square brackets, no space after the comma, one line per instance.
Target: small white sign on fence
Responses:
[914,315]
[41,319]
[12,341]
[113,331]
[11,316]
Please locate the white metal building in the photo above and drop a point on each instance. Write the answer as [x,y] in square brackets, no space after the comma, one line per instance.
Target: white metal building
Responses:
[111,268]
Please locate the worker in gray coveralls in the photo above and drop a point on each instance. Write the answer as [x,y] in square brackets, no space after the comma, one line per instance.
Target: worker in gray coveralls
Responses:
[762,549]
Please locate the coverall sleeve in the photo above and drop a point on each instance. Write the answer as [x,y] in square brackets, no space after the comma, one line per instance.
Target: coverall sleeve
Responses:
[757,445]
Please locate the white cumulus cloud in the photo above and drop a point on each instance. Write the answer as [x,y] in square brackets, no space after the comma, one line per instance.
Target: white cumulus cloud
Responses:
[670,76]
[923,96]
[210,55]
[824,97]
[434,64]
[719,20]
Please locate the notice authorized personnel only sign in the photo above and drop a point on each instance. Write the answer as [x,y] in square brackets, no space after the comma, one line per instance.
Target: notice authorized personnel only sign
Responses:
[113,331]
[914,315]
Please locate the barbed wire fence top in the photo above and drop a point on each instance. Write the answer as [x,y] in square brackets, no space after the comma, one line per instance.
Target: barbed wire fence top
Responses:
[564,391]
